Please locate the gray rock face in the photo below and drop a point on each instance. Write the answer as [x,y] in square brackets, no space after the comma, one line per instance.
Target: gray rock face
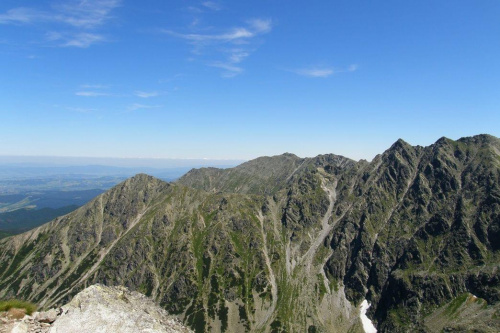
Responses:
[48,316]
[99,309]
[20,327]
[114,309]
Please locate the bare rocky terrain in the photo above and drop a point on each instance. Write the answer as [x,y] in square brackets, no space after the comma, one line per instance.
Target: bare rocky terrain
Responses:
[99,309]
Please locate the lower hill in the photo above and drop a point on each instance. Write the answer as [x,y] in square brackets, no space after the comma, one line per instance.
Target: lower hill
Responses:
[415,233]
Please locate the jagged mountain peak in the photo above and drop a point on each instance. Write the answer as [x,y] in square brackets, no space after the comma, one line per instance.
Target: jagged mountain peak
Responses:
[141,187]
[443,140]
[401,142]
[270,161]
[265,174]
[290,155]
[332,160]
[482,139]
[142,179]
[399,146]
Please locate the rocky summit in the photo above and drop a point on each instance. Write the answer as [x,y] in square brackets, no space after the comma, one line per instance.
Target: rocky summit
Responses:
[408,242]
[100,309]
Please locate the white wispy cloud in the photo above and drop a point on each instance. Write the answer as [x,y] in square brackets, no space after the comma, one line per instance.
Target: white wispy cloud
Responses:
[94,86]
[315,72]
[91,93]
[87,14]
[21,15]
[323,71]
[211,5]
[261,26]
[194,9]
[81,40]
[146,94]
[54,36]
[252,29]
[239,42]
[237,55]
[138,106]
[352,68]
[71,23]
[99,90]
[232,35]
[230,70]
[84,40]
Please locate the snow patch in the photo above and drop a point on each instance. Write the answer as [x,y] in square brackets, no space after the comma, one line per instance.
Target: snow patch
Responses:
[368,326]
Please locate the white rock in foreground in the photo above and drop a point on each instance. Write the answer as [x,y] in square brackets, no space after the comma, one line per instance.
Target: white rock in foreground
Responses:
[367,323]
[102,309]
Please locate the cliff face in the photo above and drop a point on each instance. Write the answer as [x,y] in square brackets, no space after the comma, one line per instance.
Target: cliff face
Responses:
[288,244]
[423,232]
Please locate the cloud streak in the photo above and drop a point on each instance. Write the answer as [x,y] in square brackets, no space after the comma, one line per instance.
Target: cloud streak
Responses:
[230,46]
[323,72]
[70,24]
[81,40]
[315,72]
[94,86]
[145,94]
[138,106]
[230,70]
[21,15]
[211,5]
[236,35]
[87,14]
[100,90]
[233,35]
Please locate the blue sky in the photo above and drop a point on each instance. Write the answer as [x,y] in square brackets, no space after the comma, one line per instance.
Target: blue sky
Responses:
[242,79]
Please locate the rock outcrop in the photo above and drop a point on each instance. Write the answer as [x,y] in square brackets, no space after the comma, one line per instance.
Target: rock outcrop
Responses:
[100,309]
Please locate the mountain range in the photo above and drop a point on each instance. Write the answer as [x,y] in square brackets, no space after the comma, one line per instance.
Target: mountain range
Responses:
[289,244]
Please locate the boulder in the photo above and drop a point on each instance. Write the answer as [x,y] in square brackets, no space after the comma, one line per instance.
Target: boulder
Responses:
[47,316]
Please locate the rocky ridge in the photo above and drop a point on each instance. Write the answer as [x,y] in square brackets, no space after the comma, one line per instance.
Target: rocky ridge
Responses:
[284,244]
[100,309]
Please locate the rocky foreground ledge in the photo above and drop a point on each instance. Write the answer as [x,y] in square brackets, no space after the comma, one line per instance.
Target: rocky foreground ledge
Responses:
[99,309]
